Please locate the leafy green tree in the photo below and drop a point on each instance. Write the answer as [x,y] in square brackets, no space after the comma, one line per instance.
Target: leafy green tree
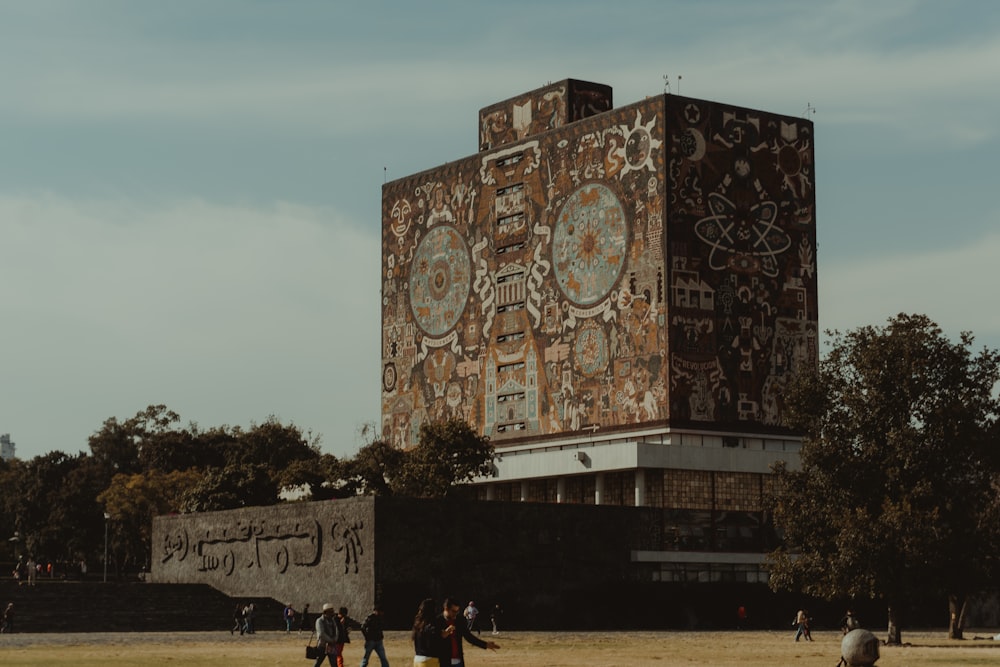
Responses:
[232,487]
[373,469]
[133,500]
[145,465]
[114,447]
[52,500]
[148,440]
[329,478]
[448,453]
[178,449]
[75,514]
[282,450]
[11,473]
[896,491]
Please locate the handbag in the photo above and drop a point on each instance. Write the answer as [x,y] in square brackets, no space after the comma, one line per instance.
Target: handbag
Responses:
[312,650]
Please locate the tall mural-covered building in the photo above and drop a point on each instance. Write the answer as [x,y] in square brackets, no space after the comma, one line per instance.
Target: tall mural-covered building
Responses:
[617,297]
[592,268]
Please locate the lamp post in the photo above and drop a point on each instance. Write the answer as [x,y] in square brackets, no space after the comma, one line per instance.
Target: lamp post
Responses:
[106,517]
[14,542]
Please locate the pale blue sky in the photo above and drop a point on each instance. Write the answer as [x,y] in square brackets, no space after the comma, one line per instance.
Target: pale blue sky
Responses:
[190,190]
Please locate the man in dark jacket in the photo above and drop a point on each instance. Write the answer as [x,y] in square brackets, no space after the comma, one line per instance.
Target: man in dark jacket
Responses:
[373,633]
[455,631]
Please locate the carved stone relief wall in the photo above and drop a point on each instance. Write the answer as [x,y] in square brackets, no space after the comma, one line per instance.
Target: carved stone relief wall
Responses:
[297,552]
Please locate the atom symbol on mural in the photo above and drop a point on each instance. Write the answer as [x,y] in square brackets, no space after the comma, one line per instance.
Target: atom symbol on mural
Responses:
[747,242]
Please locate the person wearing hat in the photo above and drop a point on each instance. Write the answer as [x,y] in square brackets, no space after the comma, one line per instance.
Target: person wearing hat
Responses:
[328,635]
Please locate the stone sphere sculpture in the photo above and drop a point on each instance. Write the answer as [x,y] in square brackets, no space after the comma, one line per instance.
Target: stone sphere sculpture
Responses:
[859,648]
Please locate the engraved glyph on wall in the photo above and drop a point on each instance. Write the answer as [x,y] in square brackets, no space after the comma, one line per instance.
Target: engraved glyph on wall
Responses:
[261,545]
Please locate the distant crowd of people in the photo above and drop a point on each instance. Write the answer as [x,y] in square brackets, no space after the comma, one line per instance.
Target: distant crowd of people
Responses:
[27,571]
[438,635]
[803,622]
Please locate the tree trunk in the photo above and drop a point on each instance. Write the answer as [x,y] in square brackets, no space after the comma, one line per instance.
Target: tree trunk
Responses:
[957,606]
[893,635]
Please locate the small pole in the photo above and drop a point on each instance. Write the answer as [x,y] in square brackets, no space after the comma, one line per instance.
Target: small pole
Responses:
[106,517]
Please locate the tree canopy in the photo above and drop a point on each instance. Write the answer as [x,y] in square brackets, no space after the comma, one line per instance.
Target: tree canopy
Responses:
[896,498]
[448,453]
[143,466]
[150,464]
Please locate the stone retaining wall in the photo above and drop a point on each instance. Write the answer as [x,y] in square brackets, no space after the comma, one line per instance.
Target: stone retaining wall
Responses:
[303,553]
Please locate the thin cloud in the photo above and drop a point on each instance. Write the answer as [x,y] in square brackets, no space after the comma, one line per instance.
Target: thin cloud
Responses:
[225,313]
[955,287]
[934,90]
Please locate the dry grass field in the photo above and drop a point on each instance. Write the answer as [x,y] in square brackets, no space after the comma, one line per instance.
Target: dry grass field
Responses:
[520,649]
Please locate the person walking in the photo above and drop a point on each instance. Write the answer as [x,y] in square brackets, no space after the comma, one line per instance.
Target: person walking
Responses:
[374,634]
[849,622]
[328,635]
[237,619]
[304,623]
[288,614]
[471,613]
[249,618]
[346,625]
[453,632]
[802,625]
[7,621]
[495,618]
[426,635]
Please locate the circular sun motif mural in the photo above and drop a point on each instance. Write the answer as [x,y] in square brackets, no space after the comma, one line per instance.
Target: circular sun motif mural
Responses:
[640,145]
[588,245]
[439,280]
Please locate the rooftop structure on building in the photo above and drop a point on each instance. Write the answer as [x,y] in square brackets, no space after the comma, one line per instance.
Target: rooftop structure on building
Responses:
[7,448]
[617,297]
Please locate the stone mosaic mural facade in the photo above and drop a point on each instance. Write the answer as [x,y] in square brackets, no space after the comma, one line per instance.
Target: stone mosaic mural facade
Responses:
[653,263]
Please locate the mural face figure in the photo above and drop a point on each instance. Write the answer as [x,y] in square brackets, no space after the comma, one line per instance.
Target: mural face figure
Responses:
[400,217]
[639,145]
[637,148]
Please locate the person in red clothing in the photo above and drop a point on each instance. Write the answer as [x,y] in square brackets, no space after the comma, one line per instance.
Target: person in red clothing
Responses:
[454,631]
[346,625]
